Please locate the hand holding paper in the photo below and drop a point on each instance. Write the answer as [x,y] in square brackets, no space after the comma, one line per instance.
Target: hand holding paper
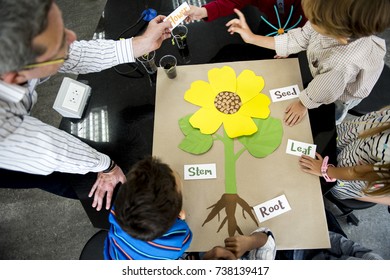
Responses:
[178,15]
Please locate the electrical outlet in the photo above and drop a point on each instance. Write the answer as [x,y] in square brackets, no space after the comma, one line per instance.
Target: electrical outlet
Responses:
[71,98]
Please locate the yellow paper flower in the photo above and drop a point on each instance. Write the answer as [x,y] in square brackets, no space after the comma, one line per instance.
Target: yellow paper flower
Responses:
[230,100]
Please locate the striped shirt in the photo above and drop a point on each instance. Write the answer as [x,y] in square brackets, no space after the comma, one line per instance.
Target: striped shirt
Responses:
[119,245]
[31,146]
[340,72]
[355,151]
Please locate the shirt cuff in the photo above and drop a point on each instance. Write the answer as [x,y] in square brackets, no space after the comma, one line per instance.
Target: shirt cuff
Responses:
[307,101]
[103,164]
[124,50]
[281,45]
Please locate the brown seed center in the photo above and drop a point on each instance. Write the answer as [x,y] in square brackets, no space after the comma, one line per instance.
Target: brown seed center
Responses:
[227,102]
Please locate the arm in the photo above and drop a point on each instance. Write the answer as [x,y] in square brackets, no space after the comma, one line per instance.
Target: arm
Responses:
[241,27]
[325,88]
[196,13]
[295,41]
[240,244]
[260,244]
[97,55]
[313,166]
[31,146]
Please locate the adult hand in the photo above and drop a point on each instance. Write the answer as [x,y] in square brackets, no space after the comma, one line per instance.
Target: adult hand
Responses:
[105,184]
[195,13]
[294,113]
[156,32]
[311,165]
[239,25]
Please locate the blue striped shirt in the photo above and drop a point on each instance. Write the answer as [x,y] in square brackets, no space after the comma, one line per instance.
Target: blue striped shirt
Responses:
[119,245]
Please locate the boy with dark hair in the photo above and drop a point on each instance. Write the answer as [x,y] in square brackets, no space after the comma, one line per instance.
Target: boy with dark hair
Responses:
[147,221]
[344,57]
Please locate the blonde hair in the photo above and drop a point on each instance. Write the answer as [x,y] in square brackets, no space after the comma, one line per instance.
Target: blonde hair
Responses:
[349,18]
[378,180]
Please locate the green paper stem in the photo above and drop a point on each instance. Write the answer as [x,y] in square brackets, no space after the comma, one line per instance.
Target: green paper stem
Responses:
[230,164]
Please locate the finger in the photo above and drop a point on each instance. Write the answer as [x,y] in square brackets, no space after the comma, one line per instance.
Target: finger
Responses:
[298,119]
[166,24]
[233,30]
[288,108]
[306,158]
[240,15]
[229,239]
[108,199]
[98,199]
[94,187]
[159,18]
[319,156]
[306,170]
[294,120]
[233,21]
[99,204]
[288,117]
[306,165]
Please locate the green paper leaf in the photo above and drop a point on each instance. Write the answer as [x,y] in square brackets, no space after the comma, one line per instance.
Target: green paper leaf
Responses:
[267,138]
[196,143]
[185,126]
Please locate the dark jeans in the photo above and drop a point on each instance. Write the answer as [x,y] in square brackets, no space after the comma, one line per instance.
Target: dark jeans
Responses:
[56,183]
[74,186]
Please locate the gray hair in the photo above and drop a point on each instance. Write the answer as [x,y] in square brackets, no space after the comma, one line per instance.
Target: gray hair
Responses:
[20,22]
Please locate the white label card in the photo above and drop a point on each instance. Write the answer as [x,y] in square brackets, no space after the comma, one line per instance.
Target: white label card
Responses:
[297,148]
[200,171]
[177,16]
[272,208]
[281,94]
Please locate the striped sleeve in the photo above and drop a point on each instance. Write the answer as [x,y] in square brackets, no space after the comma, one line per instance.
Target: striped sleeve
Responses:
[325,88]
[97,55]
[31,146]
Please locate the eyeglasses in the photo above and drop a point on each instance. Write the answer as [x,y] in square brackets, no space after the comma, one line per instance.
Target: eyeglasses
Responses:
[46,63]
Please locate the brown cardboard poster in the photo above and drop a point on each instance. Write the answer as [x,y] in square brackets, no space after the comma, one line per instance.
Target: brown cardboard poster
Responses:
[258,179]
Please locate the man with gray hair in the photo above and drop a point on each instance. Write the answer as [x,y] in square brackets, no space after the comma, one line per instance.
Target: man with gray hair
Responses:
[35,44]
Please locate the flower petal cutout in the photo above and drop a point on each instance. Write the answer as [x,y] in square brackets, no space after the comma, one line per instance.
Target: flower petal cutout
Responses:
[249,85]
[201,93]
[223,79]
[238,125]
[257,107]
[208,121]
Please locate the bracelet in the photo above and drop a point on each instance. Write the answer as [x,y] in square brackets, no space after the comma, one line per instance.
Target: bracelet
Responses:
[110,168]
[324,170]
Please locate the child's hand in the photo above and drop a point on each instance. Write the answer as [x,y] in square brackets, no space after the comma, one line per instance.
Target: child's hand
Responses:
[195,13]
[294,113]
[239,25]
[219,253]
[311,165]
